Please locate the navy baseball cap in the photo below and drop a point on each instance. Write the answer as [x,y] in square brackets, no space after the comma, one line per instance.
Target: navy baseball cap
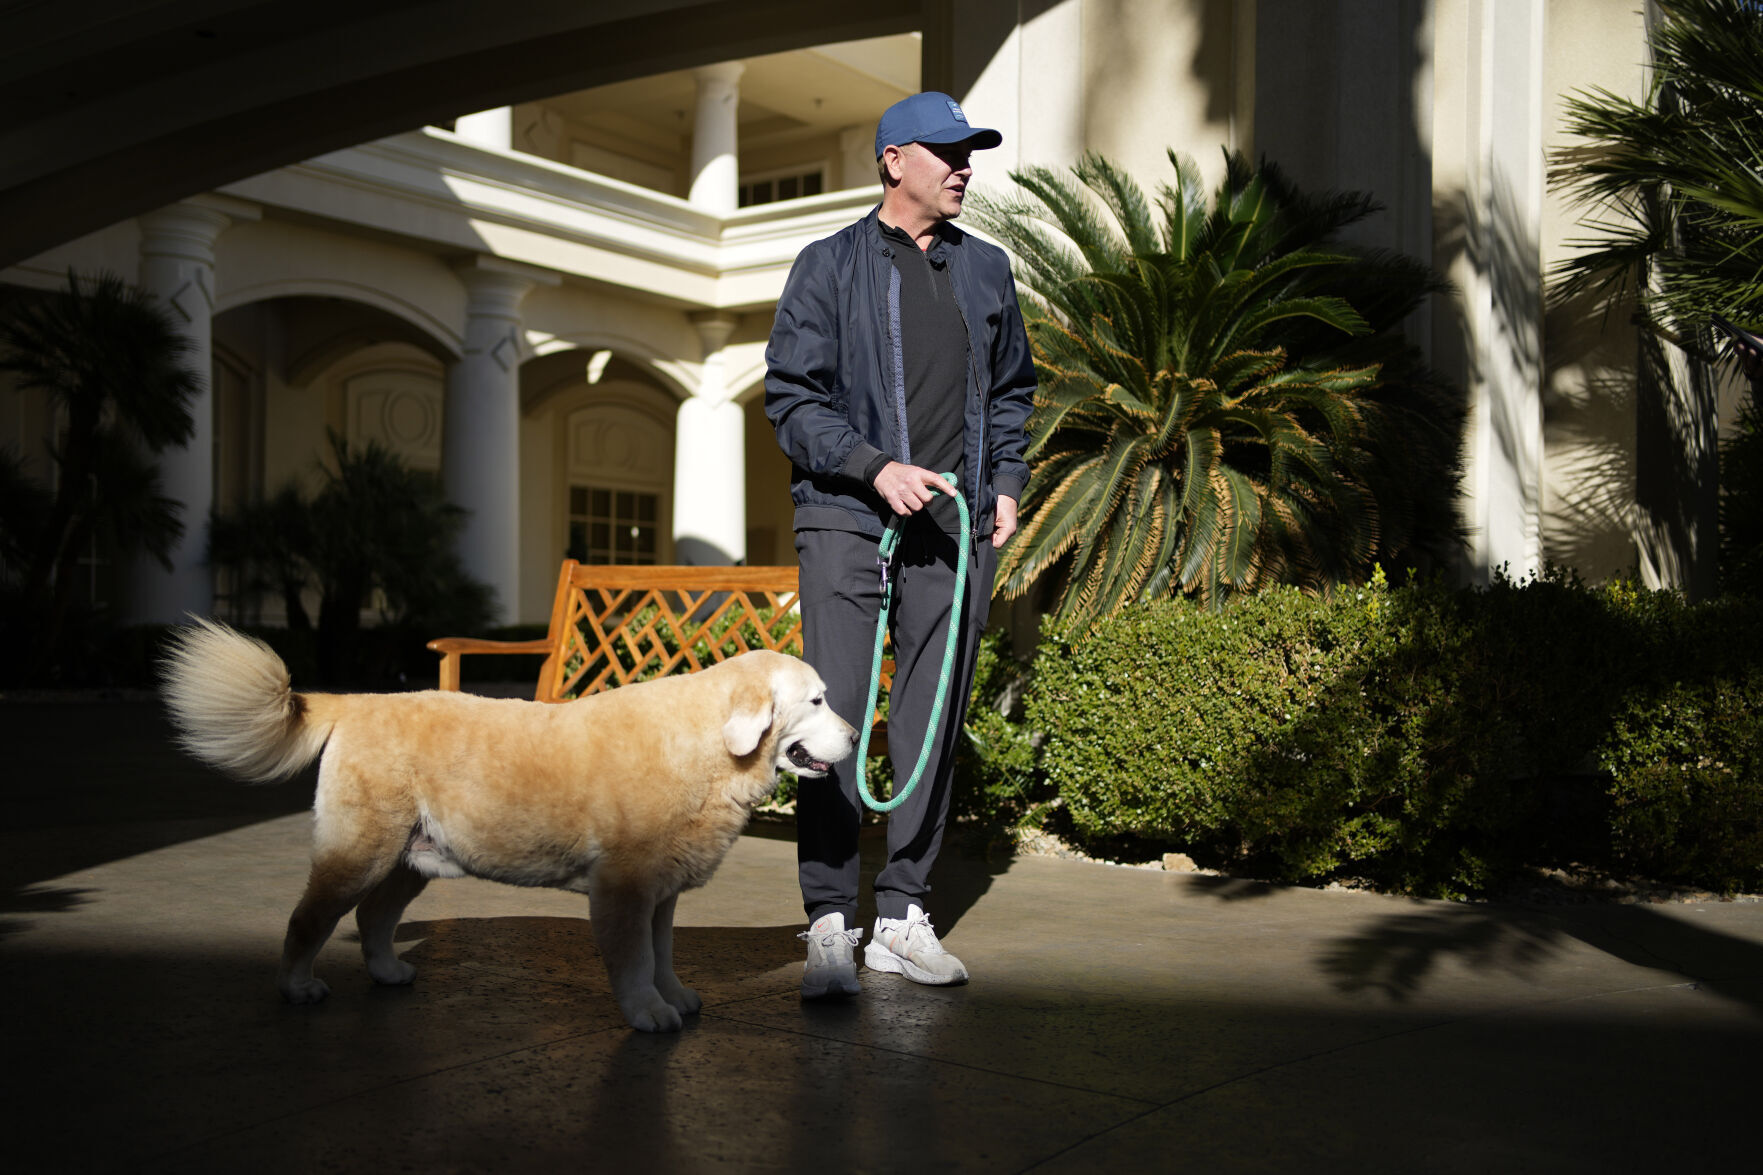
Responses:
[930,117]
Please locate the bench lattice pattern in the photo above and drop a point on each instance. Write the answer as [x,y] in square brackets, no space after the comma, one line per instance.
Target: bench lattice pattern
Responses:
[611,625]
[626,624]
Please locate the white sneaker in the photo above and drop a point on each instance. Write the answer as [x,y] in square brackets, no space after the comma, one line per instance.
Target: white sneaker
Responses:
[831,969]
[908,946]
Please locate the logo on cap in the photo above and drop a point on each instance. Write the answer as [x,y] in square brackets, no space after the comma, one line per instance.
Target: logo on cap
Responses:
[956,111]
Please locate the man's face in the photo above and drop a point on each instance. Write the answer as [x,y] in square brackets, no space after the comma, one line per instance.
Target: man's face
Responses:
[933,177]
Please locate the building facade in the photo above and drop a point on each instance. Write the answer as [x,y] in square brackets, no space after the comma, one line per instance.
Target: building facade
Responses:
[560,304]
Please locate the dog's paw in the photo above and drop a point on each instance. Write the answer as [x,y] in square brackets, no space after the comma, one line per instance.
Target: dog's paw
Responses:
[682,999]
[657,1015]
[304,991]
[391,972]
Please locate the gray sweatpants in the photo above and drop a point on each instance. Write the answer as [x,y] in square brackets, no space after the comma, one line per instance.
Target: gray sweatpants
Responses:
[841,597]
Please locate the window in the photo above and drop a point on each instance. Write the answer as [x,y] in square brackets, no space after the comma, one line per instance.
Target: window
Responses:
[787,185]
[613,526]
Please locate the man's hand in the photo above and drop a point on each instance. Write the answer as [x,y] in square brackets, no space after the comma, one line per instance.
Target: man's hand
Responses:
[1004,523]
[907,489]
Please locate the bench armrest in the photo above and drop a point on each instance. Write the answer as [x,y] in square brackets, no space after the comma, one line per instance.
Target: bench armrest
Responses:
[451,648]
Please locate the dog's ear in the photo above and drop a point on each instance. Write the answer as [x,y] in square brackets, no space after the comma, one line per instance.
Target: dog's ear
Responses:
[748,720]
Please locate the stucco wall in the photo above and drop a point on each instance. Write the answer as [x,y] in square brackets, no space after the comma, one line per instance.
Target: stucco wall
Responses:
[1589,395]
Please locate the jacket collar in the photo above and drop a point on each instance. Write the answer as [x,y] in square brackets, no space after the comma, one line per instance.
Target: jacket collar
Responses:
[872,228]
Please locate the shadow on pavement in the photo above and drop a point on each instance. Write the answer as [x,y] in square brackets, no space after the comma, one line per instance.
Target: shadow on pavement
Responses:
[507,1057]
[91,782]
[563,949]
[1396,956]
[964,872]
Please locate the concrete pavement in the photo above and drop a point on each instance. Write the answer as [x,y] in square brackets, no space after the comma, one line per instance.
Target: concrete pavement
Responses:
[1118,1019]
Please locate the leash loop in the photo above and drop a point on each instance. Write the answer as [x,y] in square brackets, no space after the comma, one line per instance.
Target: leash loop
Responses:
[890,542]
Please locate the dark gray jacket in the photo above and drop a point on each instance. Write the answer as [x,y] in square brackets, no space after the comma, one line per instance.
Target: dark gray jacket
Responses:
[834,386]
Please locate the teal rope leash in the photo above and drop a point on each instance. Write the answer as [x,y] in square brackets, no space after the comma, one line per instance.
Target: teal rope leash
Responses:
[890,542]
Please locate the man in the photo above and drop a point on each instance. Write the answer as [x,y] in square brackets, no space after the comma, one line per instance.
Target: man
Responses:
[898,354]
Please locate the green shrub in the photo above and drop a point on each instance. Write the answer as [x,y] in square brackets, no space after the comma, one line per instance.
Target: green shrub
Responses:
[1685,767]
[996,776]
[1176,724]
[1684,754]
[1428,739]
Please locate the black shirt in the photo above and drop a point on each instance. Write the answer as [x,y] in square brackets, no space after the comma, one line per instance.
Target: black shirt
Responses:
[933,348]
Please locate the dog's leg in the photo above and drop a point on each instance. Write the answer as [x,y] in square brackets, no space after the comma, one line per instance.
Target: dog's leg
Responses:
[622,919]
[377,917]
[338,880]
[681,997]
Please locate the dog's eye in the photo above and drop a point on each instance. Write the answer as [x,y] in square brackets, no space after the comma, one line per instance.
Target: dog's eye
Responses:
[820,701]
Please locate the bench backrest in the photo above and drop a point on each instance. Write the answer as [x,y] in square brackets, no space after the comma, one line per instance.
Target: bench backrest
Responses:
[613,624]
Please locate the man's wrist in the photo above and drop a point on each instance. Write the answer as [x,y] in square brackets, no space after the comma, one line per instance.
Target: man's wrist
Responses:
[876,464]
[861,460]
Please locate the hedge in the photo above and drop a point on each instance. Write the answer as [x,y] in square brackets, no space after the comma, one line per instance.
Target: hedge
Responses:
[1426,739]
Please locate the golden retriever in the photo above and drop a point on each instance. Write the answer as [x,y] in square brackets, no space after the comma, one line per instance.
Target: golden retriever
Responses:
[628,796]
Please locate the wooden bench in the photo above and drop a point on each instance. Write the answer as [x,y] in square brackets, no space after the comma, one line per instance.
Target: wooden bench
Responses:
[614,624]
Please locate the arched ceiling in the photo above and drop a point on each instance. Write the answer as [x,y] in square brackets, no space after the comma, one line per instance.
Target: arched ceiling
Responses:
[114,107]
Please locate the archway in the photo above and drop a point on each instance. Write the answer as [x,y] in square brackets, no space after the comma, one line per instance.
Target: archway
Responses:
[182,105]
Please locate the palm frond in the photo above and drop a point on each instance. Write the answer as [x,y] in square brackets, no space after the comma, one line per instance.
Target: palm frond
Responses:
[1048,531]
[1670,186]
[1123,197]
[1184,208]
[1068,207]
[1240,540]
[1219,390]
[1334,312]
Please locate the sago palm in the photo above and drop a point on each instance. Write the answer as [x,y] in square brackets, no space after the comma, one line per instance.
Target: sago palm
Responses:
[1225,397]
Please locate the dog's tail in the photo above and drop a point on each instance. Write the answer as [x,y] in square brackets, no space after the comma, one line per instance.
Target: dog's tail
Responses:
[233,706]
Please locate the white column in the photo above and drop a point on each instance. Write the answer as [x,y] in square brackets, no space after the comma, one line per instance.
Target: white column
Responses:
[1487,119]
[480,436]
[856,157]
[1506,412]
[716,165]
[710,461]
[177,267]
[488,128]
